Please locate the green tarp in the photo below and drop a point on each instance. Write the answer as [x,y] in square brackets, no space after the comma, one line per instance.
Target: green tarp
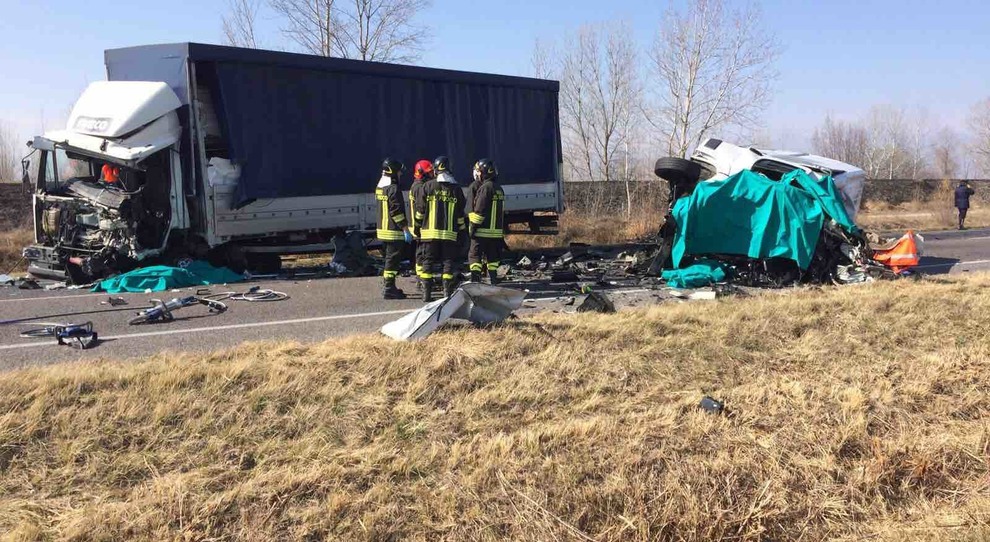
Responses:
[159,278]
[750,215]
[702,273]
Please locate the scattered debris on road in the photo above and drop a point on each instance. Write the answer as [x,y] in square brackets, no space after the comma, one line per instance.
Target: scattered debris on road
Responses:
[161,311]
[597,302]
[481,304]
[79,336]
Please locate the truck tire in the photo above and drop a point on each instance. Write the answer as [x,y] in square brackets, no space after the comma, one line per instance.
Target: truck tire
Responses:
[678,170]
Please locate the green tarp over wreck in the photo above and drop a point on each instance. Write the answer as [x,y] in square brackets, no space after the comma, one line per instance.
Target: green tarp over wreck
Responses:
[751,215]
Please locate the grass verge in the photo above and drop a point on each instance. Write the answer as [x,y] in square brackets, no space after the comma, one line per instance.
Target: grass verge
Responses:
[857,412]
[11,243]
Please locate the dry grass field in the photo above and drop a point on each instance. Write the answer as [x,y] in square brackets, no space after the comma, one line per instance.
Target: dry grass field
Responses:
[858,413]
[11,243]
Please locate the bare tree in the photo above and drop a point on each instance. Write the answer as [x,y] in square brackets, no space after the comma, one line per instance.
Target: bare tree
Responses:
[712,69]
[543,61]
[9,158]
[843,141]
[979,125]
[238,25]
[945,154]
[599,95]
[378,30]
[312,24]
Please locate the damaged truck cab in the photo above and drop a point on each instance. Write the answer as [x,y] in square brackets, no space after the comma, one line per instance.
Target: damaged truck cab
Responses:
[106,194]
[242,155]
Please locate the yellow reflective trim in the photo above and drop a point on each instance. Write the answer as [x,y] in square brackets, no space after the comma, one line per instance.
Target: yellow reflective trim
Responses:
[401,217]
[490,234]
[475,267]
[390,274]
[448,276]
[390,235]
[476,218]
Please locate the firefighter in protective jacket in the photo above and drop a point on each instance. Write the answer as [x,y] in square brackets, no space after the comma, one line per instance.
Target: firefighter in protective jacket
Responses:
[393,230]
[423,171]
[487,221]
[441,207]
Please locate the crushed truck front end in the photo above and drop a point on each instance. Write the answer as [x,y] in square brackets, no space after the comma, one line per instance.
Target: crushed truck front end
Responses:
[104,195]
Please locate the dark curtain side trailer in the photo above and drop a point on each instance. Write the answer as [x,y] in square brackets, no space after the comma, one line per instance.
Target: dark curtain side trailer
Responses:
[303,135]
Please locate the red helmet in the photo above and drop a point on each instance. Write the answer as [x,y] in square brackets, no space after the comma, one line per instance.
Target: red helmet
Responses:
[423,170]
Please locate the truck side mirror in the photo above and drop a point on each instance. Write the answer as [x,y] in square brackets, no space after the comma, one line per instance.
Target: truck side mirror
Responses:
[25,171]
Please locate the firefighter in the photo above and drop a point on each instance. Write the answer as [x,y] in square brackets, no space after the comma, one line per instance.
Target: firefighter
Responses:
[441,206]
[393,230]
[486,218]
[423,171]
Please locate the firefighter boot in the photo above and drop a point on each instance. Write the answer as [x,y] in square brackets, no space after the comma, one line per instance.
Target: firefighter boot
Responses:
[390,291]
[493,276]
[475,276]
[427,290]
[449,285]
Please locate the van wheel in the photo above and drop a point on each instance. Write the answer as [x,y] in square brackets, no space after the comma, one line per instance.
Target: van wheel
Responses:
[678,170]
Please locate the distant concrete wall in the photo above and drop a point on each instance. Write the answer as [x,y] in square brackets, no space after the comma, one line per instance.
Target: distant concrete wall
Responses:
[15,206]
[600,196]
[897,191]
[610,197]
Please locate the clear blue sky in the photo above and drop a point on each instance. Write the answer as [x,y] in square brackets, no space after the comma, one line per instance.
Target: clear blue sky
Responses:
[841,56]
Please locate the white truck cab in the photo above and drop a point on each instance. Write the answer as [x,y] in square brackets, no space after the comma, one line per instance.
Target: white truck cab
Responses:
[719,160]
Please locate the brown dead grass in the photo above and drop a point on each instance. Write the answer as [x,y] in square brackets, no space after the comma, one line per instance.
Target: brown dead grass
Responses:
[11,243]
[590,229]
[934,213]
[859,413]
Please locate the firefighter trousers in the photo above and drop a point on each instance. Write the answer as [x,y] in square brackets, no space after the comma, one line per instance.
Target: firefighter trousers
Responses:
[485,250]
[394,253]
[441,260]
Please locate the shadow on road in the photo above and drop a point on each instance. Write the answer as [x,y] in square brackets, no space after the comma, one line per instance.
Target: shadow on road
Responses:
[936,264]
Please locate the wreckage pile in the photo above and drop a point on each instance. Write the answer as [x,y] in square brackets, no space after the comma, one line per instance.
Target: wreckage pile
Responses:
[746,230]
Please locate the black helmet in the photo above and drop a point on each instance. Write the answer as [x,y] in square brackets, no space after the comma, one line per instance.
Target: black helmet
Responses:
[441,164]
[392,168]
[485,170]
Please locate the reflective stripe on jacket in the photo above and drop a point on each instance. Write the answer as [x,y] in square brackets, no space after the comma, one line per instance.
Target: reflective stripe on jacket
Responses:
[391,213]
[442,207]
[488,210]
[415,192]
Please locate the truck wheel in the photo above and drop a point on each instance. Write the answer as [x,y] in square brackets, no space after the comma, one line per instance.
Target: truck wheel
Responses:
[678,170]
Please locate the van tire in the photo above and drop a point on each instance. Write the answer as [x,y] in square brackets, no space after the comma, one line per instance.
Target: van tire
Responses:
[678,170]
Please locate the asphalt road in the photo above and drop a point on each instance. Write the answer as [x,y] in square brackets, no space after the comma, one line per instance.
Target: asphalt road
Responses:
[317,309]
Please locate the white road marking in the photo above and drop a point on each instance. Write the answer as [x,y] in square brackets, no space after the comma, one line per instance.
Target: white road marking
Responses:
[219,328]
[951,265]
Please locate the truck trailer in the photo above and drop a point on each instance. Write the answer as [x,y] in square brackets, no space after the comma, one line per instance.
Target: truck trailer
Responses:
[241,155]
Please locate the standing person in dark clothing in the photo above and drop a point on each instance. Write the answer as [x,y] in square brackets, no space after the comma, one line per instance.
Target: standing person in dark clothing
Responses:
[963,192]
[422,173]
[441,205]
[487,224]
[393,231]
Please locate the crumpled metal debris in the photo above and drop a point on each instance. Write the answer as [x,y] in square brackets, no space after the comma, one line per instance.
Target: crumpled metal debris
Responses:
[473,301]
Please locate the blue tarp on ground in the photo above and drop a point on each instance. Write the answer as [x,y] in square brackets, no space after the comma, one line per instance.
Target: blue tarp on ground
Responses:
[159,278]
[751,215]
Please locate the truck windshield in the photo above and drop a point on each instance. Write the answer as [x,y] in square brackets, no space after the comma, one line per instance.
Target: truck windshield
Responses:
[57,167]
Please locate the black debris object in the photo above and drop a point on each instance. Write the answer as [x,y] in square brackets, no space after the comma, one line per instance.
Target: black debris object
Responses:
[114,301]
[711,405]
[563,276]
[596,302]
[28,284]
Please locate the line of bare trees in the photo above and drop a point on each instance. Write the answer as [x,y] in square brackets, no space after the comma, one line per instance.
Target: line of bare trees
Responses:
[9,154]
[897,143]
[708,70]
[377,30]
